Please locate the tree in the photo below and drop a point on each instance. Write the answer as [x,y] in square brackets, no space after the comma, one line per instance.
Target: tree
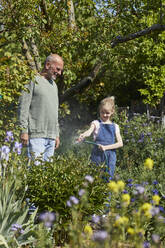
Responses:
[98,40]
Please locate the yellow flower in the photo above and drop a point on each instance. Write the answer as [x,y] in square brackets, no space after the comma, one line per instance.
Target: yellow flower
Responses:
[121,221]
[125,220]
[118,221]
[120,185]
[113,186]
[126,199]
[149,163]
[88,230]
[156,199]
[131,231]
[148,214]
[146,208]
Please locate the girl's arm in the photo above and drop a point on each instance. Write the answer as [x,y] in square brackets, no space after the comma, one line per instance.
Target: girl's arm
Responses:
[87,133]
[119,141]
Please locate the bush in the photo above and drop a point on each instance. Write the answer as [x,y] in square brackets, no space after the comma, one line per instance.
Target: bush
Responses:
[142,138]
[50,185]
[65,186]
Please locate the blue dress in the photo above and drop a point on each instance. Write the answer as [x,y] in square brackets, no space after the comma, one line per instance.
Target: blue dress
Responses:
[106,136]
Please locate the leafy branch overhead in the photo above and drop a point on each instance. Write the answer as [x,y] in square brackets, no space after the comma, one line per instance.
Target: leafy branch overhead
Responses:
[92,37]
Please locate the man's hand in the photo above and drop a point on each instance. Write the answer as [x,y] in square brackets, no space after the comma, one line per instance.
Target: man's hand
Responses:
[57,142]
[24,138]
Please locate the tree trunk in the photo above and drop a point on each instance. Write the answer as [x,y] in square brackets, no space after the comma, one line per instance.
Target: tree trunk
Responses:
[27,53]
[71,15]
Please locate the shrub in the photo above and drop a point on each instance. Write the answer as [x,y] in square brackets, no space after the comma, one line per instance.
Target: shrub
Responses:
[50,185]
[142,138]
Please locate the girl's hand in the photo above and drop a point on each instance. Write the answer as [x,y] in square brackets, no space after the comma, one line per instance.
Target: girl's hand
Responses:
[80,138]
[101,147]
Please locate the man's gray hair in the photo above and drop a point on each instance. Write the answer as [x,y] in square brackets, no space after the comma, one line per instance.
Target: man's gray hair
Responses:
[52,58]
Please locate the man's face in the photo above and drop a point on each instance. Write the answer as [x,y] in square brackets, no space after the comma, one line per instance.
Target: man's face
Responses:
[54,69]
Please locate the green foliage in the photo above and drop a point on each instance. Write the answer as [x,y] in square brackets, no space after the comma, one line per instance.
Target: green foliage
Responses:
[142,138]
[16,224]
[97,23]
[14,74]
[52,184]
[153,69]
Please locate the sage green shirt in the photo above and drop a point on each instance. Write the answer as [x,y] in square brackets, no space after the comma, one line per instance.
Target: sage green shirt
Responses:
[38,109]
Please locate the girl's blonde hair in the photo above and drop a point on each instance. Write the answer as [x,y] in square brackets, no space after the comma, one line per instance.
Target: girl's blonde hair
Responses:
[109,103]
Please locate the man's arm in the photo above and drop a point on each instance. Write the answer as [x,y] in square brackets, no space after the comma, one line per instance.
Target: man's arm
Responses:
[23,112]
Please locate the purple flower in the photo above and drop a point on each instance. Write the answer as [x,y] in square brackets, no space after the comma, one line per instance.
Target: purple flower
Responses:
[4,152]
[9,136]
[69,204]
[146,244]
[129,184]
[161,209]
[155,182]
[130,180]
[155,191]
[154,211]
[89,178]
[100,236]
[81,192]
[141,140]
[17,228]
[47,218]
[155,238]
[95,218]
[17,147]
[140,189]
[125,191]
[145,183]
[161,218]
[74,200]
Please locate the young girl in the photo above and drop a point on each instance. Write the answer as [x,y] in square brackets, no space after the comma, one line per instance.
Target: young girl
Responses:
[106,136]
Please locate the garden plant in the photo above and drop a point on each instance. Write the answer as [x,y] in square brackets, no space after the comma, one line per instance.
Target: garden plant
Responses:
[70,195]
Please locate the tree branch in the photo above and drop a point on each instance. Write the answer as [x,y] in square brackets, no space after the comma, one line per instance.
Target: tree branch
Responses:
[71,14]
[36,54]
[43,6]
[27,54]
[85,82]
[82,84]
[153,28]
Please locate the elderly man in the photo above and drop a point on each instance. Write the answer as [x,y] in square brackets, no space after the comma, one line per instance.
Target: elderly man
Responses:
[38,111]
